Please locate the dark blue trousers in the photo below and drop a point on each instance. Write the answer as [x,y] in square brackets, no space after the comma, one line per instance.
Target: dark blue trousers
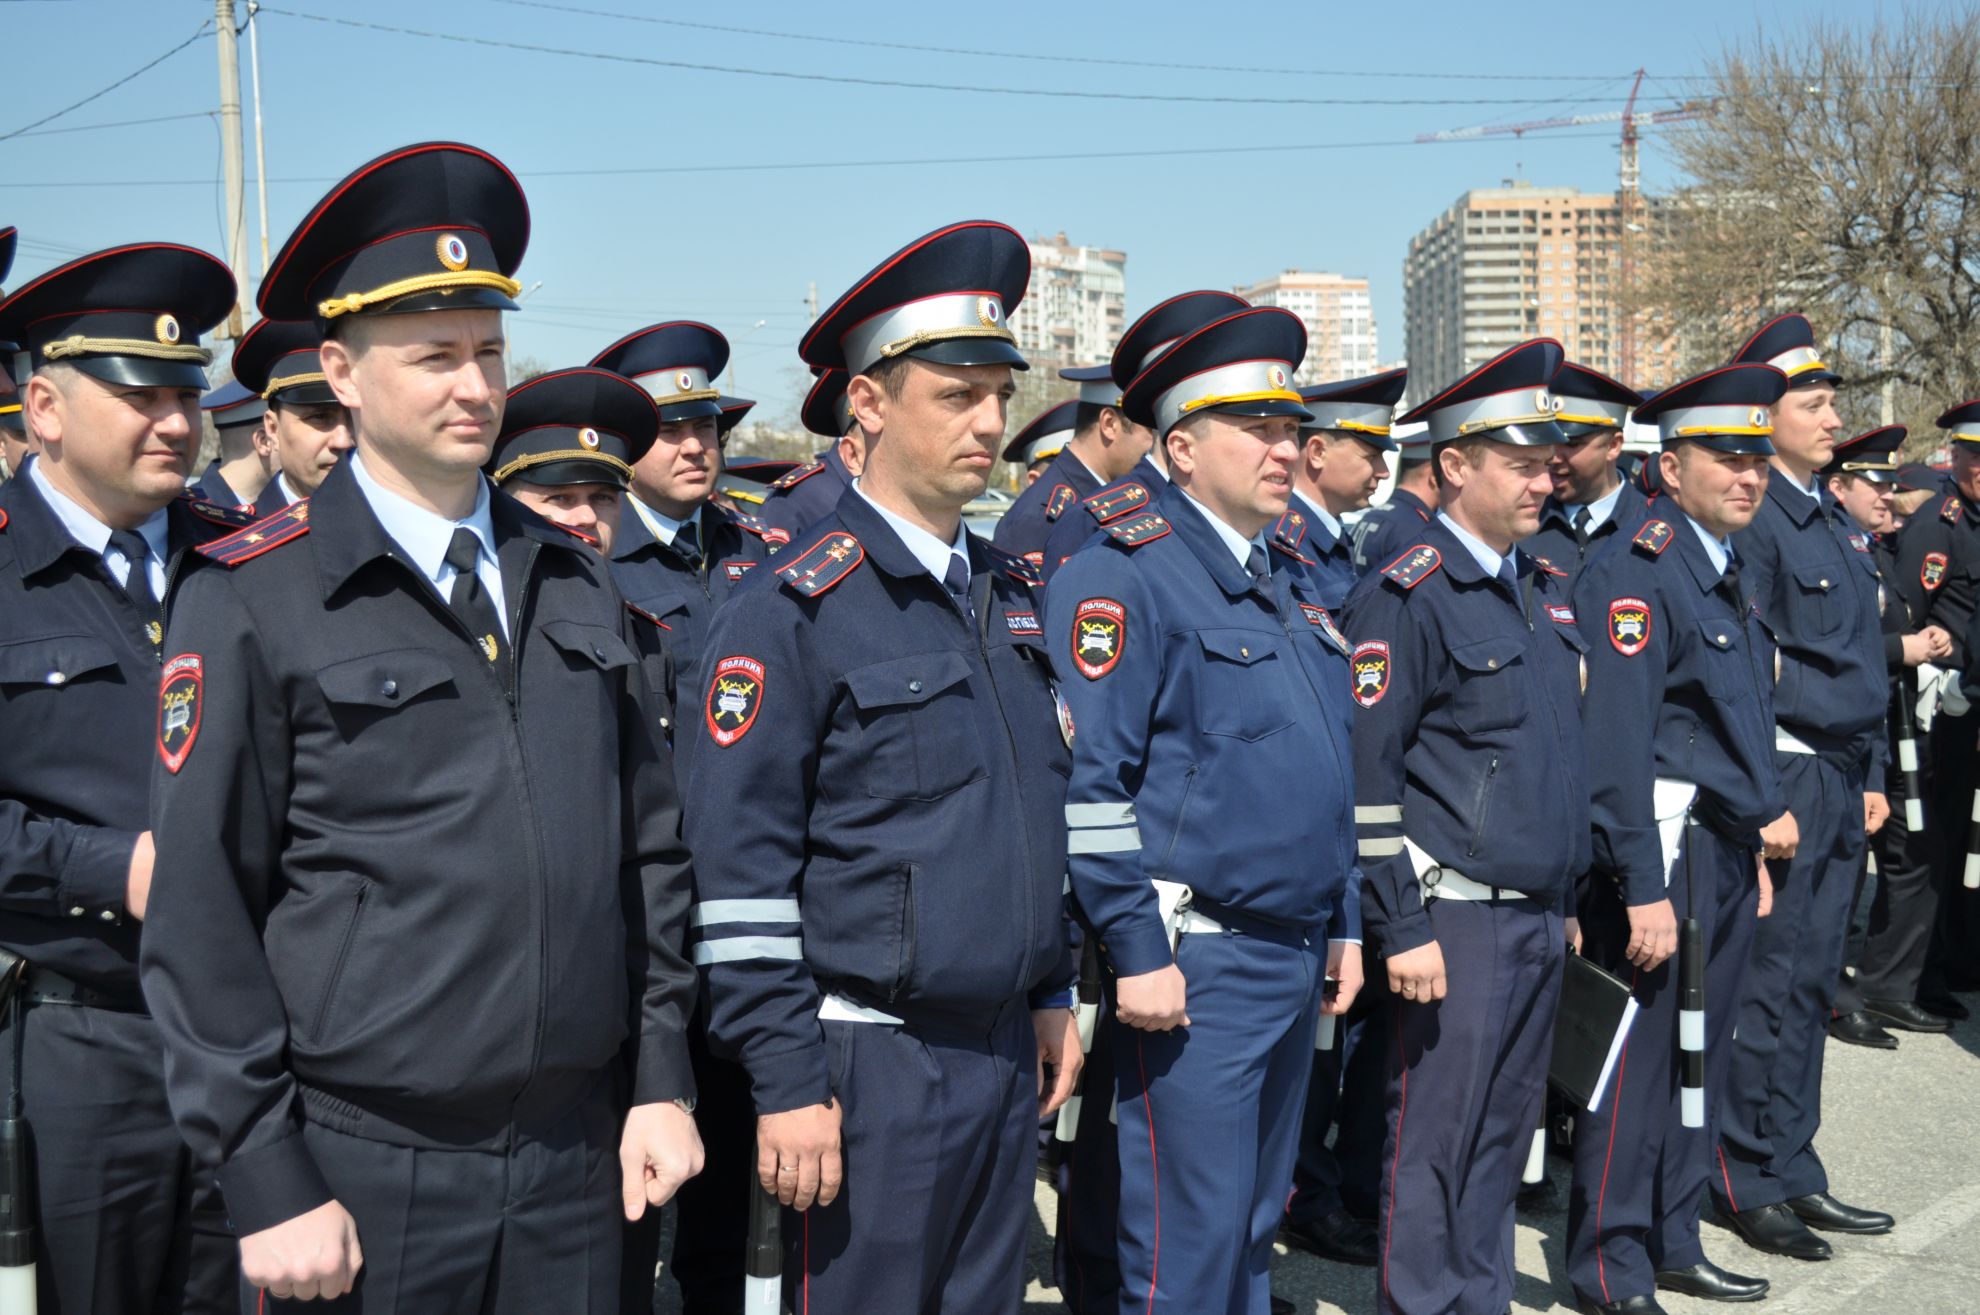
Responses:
[1772,1101]
[1638,1172]
[1349,1085]
[1209,1125]
[1085,1246]
[1466,1078]
[939,1132]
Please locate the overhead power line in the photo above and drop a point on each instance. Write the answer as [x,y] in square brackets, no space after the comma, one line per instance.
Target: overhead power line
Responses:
[981,89]
[204,28]
[121,123]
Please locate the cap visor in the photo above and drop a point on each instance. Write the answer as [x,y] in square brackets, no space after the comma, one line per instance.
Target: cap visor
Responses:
[314,394]
[1266,407]
[563,474]
[1532,433]
[1739,445]
[1573,431]
[420,303]
[971,351]
[674,412]
[142,372]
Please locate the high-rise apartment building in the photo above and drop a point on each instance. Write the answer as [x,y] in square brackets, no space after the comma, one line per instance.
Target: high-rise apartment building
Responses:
[1340,322]
[1075,307]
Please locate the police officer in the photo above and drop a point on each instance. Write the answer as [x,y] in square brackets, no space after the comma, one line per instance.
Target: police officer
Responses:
[1210,701]
[1396,524]
[13,428]
[1343,460]
[570,442]
[1680,798]
[1105,445]
[810,492]
[92,537]
[306,430]
[872,922]
[240,471]
[1817,591]
[1036,445]
[676,556]
[1147,338]
[424,846]
[1471,809]
[1591,501]
[1862,477]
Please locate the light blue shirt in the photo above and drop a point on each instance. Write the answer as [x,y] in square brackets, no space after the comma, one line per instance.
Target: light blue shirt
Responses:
[1490,559]
[1239,545]
[424,536]
[1813,492]
[1599,510]
[931,552]
[288,489]
[1320,514]
[1719,550]
[94,535]
[663,526]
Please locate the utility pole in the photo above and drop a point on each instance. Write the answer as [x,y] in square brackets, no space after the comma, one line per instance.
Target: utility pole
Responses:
[230,150]
[811,299]
[260,150]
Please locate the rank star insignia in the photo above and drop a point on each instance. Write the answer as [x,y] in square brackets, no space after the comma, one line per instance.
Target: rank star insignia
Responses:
[180,686]
[1370,663]
[735,693]
[1098,633]
[1629,625]
[1932,571]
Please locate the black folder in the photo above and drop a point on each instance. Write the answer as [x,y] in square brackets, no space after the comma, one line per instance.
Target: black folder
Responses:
[1594,1020]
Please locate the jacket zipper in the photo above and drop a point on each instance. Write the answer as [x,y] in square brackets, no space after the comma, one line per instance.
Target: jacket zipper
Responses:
[1017,776]
[1484,803]
[337,964]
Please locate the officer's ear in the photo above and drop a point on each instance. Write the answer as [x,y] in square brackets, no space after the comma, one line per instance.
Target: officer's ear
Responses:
[1180,443]
[339,356]
[44,401]
[852,451]
[1670,464]
[868,399]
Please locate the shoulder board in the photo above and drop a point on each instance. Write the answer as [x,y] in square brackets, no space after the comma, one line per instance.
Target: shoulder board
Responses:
[762,529]
[1140,530]
[290,523]
[753,523]
[645,615]
[1949,511]
[1548,567]
[1114,503]
[1021,569]
[1415,566]
[1654,537]
[1057,501]
[798,476]
[829,561]
[208,510]
[1290,532]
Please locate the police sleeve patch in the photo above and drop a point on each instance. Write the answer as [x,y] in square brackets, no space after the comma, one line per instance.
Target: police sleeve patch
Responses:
[1629,625]
[1414,566]
[1654,537]
[1932,571]
[735,694]
[1099,632]
[180,686]
[1370,663]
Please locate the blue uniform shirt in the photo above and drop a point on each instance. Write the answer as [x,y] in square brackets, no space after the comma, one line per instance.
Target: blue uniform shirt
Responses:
[1811,575]
[1057,490]
[1664,638]
[1382,534]
[1468,738]
[1554,542]
[1211,734]
[1125,497]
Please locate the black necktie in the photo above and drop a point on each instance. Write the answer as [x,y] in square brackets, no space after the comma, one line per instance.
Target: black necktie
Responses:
[469,601]
[1581,519]
[956,580]
[1729,586]
[1259,567]
[137,583]
[688,544]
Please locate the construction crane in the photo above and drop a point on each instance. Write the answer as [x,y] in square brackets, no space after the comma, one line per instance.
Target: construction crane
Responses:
[1629,196]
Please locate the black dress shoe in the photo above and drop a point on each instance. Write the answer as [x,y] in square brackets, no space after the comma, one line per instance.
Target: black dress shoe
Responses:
[1824,1211]
[1538,1198]
[1946,1007]
[1859,1029]
[1776,1229]
[1905,1016]
[1708,1281]
[1280,1306]
[1338,1236]
[1643,1305]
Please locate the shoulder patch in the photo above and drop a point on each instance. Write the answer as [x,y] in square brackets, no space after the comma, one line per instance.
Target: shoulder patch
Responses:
[1414,566]
[1949,510]
[1057,501]
[1932,571]
[735,695]
[1112,504]
[1370,665]
[791,478]
[1021,569]
[645,615]
[1140,530]
[830,560]
[1629,625]
[1099,632]
[208,510]
[1654,537]
[271,532]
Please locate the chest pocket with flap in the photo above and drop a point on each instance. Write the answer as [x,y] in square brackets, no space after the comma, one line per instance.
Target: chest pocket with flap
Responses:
[917,725]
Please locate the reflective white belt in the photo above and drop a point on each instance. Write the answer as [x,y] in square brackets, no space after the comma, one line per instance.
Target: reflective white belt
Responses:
[1440,882]
[838,1009]
[1670,802]
[1193,923]
[1786,742]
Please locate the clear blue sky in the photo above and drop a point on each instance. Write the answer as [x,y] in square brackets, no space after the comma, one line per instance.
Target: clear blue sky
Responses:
[679,237]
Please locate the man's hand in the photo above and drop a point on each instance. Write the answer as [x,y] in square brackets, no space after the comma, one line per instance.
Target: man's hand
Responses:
[314,1255]
[1059,1054]
[1923,647]
[1938,642]
[1153,1002]
[1653,934]
[1876,811]
[1418,975]
[1766,888]
[1780,837]
[659,1150]
[797,1155]
[1344,966]
[137,886]
[1573,929]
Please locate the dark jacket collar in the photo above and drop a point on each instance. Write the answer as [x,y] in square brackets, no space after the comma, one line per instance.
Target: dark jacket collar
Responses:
[1192,525]
[39,539]
[1800,508]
